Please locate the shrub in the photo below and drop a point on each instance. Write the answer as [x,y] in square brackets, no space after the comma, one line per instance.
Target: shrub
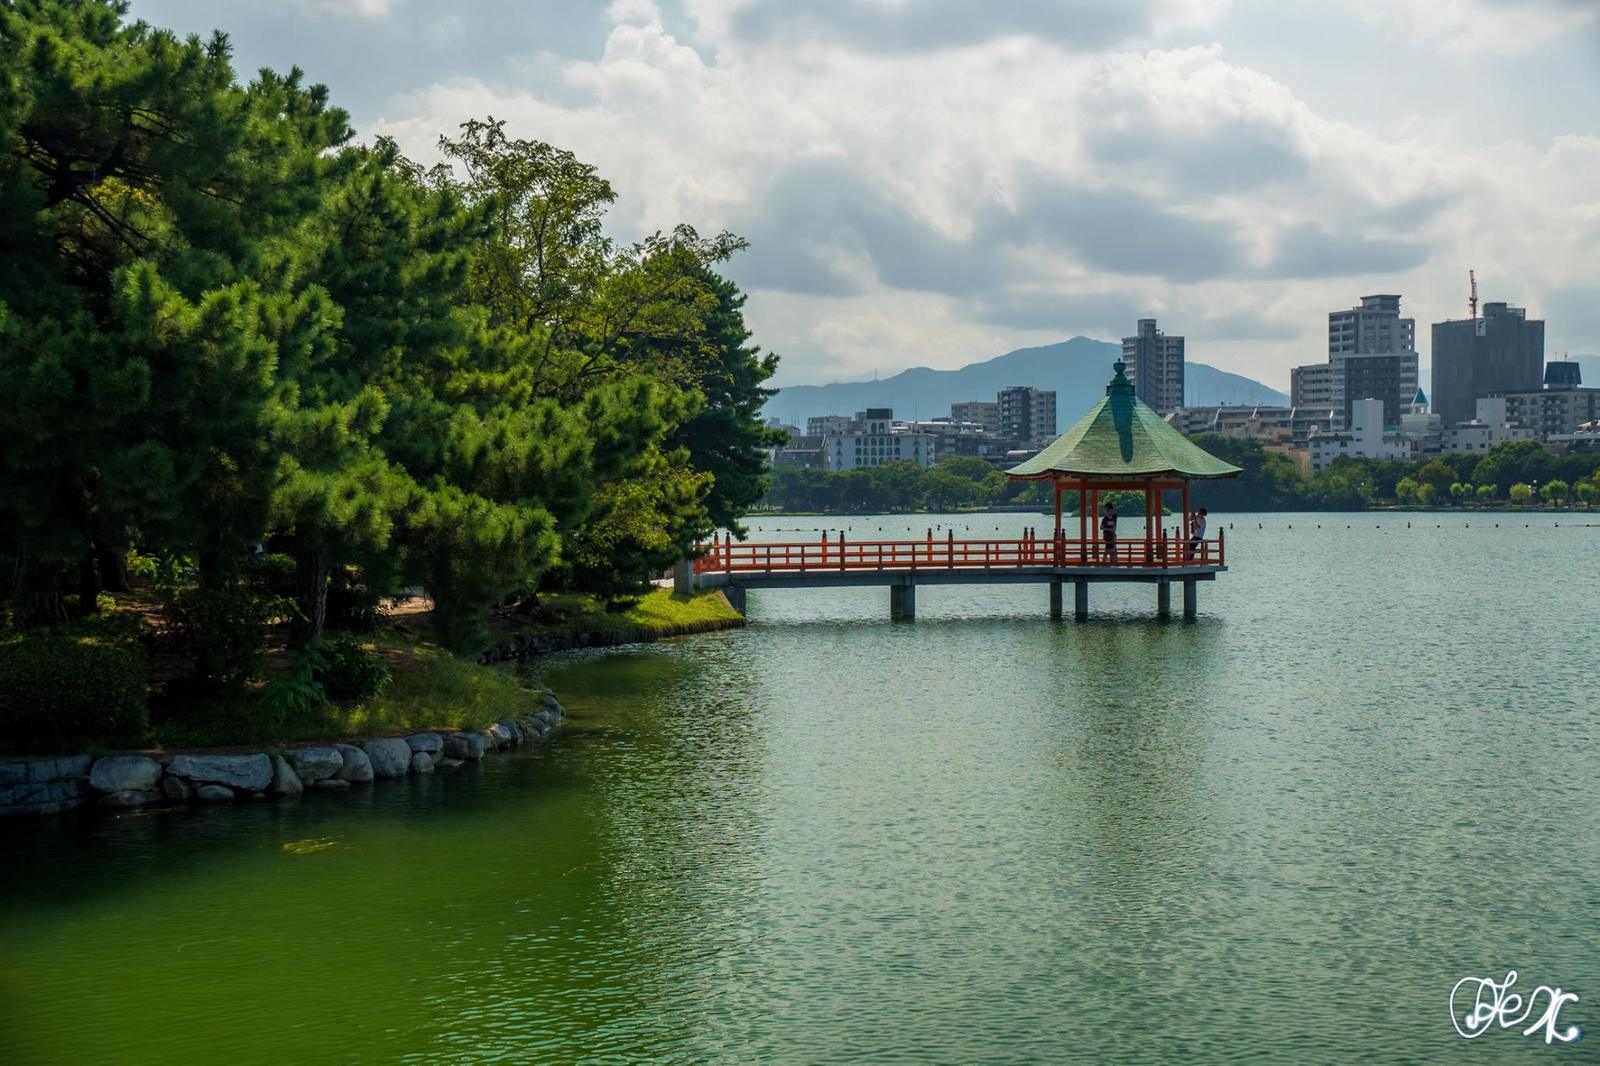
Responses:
[64,690]
[295,696]
[221,632]
[347,671]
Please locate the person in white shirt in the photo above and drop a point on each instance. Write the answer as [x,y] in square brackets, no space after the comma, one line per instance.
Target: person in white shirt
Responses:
[1197,531]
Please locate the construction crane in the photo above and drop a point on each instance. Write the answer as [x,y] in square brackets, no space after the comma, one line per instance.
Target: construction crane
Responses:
[1472,301]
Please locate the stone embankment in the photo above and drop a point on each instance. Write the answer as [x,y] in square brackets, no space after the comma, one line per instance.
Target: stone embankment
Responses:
[74,782]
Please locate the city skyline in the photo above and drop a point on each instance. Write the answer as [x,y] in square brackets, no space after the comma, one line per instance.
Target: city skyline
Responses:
[1226,167]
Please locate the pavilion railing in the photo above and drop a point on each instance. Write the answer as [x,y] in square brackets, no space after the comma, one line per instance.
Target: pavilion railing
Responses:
[724,555]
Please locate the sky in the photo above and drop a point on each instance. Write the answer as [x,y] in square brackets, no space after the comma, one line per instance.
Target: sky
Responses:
[933,182]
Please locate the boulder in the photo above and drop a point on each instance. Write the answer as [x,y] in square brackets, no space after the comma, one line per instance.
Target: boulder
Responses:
[432,743]
[390,756]
[421,762]
[13,773]
[125,773]
[209,793]
[175,789]
[449,764]
[249,772]
[285,782]
[66,792]
[314,764]
[357,767]
[510,728]
[331,784]
[62,769]
[74,765]
[466,745]
[23,795]
[130,797]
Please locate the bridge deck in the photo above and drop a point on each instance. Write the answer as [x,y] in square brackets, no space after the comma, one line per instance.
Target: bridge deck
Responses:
[903,565]
[935,575]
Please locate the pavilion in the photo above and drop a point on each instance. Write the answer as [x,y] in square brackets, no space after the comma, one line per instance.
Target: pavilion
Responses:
[1123,444]
[1120,444]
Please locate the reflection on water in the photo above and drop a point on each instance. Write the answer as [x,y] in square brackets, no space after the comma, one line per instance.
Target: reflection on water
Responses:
[1280,834]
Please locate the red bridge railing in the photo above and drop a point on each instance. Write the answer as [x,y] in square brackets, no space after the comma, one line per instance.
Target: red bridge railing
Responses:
[724,555]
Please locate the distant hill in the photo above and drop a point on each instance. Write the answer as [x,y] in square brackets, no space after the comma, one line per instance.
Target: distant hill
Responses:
[1077,370]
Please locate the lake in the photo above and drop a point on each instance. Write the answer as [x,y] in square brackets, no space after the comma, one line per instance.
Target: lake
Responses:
[1279,834]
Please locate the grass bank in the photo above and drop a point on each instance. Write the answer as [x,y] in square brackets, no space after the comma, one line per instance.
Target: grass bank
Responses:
[428,687]
[566,620]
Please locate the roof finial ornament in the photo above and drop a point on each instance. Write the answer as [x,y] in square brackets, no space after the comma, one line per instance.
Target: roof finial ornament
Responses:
[1120,381]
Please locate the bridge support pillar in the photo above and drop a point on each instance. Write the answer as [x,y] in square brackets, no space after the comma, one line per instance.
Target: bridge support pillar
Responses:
[1080,601]
[735,596]
[903,601]
[1163,599]
[1055,600]
[683,577]
[1190,599]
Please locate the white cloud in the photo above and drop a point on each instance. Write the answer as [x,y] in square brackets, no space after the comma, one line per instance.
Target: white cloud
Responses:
[930,206]
[357,8]
[1512,27]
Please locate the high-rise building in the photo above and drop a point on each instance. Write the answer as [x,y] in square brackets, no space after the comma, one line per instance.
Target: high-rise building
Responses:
[1155,366]
[1027,415]
[1375,326]
[1501,352]
[1311,385]
[1371,356]
[1387,376]
[985,413]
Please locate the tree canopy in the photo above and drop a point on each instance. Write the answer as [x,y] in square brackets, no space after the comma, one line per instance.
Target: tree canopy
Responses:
[226,326]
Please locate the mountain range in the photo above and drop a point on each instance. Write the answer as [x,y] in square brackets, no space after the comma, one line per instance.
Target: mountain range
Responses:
[1077,370]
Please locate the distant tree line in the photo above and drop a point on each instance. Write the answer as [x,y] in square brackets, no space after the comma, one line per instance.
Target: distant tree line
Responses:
[1514,472]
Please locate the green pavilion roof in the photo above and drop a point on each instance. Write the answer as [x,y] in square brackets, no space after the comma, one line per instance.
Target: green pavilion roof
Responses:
[1122,437]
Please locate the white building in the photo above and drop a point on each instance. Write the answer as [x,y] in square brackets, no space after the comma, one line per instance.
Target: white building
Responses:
[1364,439]
[1491,427]
[877,444]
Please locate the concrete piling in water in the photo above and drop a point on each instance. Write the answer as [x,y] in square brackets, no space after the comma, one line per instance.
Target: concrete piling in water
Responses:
[1163,599]
[903,602]
[1055,600]
[1080,601]
[1190,599]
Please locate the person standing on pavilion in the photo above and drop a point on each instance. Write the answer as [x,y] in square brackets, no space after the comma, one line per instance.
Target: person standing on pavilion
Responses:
[1108,531]
[1197,531]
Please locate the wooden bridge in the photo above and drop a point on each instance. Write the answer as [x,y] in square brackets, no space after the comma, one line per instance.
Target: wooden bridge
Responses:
[902,565]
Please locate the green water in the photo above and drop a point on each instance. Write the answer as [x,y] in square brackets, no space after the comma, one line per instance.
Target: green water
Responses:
[1278,835]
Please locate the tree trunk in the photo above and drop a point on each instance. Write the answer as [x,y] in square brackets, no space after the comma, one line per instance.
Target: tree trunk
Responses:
[113,568]
[311,595]
[88,584]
